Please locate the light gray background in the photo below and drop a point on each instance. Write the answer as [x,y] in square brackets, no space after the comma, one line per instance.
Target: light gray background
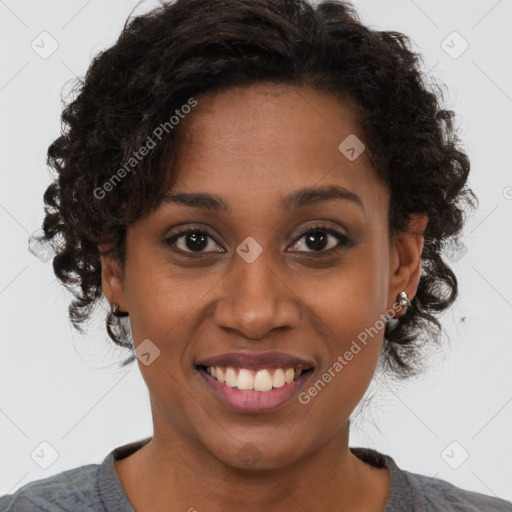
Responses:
[60,388]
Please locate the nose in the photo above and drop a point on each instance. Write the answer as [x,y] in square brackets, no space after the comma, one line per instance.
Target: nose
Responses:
[255,300]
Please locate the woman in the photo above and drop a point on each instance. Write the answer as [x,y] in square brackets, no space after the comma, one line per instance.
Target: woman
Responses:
[262,188]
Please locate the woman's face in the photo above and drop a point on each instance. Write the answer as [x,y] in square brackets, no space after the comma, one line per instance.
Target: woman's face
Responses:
[248,282]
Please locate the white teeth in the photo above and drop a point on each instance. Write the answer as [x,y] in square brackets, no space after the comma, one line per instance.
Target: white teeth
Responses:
[245,379]
[230,377]
[278,378]
[260,380]
[219,374]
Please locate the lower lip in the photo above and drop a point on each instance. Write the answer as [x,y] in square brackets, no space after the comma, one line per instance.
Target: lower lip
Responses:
[254,401]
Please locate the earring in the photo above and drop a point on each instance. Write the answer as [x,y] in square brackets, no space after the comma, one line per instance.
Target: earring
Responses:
[115,311]
[391,321]
[403,300]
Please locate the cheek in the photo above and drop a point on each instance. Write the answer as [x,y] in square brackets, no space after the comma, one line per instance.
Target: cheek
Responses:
[157,296]
[350,299]
[354,343]
[349,309]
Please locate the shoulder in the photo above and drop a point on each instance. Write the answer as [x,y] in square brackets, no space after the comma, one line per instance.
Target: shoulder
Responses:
[419,493]
[89,488]
[68,490]
[438,494]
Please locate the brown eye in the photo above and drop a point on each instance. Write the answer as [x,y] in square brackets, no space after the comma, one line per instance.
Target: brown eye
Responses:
[191,240]
[321,239]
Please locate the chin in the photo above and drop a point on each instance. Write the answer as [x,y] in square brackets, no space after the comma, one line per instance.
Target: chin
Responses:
[253,456]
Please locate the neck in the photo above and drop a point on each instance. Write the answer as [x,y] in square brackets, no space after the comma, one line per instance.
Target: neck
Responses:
[184,473]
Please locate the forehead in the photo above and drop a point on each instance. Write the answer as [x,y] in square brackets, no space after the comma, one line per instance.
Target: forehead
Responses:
[260,143]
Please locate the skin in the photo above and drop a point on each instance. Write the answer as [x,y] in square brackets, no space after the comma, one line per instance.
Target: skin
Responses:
[252,146]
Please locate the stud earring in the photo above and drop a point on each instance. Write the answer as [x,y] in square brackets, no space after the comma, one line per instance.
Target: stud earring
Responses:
[403,300]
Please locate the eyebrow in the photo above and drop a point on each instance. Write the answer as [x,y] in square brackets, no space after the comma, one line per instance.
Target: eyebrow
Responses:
[298,199]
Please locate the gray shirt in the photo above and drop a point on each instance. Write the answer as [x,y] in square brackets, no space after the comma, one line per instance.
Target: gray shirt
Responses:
[96,488]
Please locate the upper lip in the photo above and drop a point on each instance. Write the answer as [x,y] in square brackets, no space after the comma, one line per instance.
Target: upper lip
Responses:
[253,360]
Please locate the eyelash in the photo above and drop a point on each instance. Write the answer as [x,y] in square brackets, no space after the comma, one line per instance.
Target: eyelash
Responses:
[343,241]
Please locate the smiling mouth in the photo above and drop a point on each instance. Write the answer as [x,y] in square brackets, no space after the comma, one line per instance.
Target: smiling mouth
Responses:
[263,379]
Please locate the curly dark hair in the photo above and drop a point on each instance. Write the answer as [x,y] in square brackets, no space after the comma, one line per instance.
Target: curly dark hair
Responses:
[182,49]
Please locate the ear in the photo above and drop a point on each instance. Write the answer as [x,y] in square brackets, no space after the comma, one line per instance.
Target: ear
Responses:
[406,250]
[112,280]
